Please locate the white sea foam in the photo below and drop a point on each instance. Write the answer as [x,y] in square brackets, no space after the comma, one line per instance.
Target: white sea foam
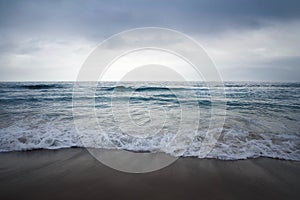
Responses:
[232,145]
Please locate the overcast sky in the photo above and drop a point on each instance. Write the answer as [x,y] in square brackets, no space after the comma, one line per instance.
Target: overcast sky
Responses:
[247,39]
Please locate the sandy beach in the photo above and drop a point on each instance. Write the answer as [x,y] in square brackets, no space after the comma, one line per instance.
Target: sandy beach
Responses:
[75,174]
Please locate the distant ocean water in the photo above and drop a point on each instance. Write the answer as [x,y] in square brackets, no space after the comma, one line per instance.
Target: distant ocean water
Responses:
[262,119]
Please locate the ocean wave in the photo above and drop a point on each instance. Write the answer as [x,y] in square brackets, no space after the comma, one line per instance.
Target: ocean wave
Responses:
[151,88]
[232,145]
[41,86]
[33,86]
[259,121]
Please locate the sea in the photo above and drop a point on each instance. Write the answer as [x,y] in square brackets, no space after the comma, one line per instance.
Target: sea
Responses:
[259,119]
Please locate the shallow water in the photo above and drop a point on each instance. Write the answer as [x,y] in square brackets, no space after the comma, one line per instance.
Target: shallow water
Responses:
[262,119]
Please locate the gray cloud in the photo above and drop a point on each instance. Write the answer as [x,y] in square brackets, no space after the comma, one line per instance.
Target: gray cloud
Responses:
[40,28]
[94,18]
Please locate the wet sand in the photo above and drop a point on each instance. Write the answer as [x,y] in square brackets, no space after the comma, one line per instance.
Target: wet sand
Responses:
[75,174]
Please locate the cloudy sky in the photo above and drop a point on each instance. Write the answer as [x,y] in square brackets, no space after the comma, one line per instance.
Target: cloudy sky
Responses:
[247,39]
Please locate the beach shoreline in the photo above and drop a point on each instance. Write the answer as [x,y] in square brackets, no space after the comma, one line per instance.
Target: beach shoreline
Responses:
[74,174]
